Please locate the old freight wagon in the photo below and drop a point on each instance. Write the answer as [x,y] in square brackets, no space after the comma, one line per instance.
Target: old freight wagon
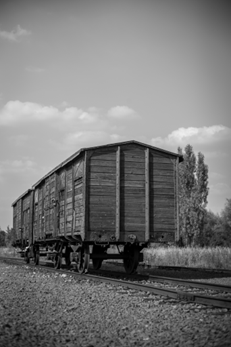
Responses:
[123,194]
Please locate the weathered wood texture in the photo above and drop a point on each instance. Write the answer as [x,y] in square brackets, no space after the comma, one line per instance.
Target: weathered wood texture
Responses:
[101,192]
[106,193]
[162,197]
[132,192]
[17,218]
[26,210]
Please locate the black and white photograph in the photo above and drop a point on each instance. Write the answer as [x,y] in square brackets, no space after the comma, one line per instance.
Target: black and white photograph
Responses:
[115,166]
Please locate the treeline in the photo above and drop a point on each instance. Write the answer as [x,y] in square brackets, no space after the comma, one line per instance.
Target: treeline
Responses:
[8,237]
[199,227]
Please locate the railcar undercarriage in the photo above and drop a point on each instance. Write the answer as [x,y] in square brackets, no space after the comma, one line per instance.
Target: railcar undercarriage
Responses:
[77,254]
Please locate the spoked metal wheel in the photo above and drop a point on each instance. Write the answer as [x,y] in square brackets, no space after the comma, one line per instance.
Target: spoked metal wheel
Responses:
[67,256]
[58,256]
[83,259]
[132,258]
[58,261]
[97,262]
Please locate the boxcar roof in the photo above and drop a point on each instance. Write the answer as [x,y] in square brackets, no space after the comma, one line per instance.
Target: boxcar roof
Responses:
[21,196]
[80,151]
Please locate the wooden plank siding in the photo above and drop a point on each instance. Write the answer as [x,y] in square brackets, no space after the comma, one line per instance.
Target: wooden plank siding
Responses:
[101,192]
[105,193]
[132,192]
[162,197]
[69,200]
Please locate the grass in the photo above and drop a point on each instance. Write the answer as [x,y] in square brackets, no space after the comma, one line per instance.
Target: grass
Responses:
[8,251]
[210,258]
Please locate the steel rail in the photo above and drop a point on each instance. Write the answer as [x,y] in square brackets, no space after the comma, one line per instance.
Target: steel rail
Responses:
[179,295]
[176,281]
[185,268]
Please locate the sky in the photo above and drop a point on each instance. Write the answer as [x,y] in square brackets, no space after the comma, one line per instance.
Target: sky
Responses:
[80,73]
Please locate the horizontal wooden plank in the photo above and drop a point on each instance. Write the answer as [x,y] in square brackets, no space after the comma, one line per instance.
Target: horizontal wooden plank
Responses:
[100,227]
[138,170]
[132,191]
[78,190]
[162,226]
[162,178]
[101,163]
[132,177]
[161,185]
[69,211]
[78,197]
[162,191]
[132,164]
[128,183]
[69,200]
[158,172]
[132,199]
[162,197]
[132,227]
[103,156]
[102,176]
[131,208]
[102,190]
[160,160]
[102,169]
[163,236]
[138,219]
[100,182]
[101,199]
[132,159]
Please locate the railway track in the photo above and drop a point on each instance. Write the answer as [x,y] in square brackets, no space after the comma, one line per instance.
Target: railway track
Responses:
[202,293]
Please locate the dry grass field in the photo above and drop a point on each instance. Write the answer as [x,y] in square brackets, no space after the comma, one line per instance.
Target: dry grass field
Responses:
[213,258]
[8,251]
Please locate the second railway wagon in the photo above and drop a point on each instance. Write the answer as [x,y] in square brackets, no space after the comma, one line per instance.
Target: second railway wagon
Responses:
[123,194]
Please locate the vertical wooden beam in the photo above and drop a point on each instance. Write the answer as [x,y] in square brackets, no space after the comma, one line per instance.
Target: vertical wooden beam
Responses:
[85,197]
[147,196]
[55,205]
[31,216]
[73,200]
[65,202]
[177,235]
[118,194]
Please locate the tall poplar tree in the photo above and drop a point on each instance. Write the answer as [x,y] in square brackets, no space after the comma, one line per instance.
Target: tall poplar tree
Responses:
[193,193]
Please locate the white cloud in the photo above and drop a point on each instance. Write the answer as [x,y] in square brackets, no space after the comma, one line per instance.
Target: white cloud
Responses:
[194,136]
[64,127]
[121,113]
[15,35]
[85,139]
[16,112]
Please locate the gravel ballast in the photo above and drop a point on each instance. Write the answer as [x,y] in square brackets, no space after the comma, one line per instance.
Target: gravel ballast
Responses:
[38,308]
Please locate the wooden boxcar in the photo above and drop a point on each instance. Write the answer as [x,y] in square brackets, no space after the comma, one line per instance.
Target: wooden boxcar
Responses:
[124,194]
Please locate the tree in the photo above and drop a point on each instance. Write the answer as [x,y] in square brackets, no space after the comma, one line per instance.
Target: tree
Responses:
[10,236]
[193,193]
[2,238]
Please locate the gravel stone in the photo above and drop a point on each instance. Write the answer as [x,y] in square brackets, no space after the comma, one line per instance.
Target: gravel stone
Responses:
[39,308]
